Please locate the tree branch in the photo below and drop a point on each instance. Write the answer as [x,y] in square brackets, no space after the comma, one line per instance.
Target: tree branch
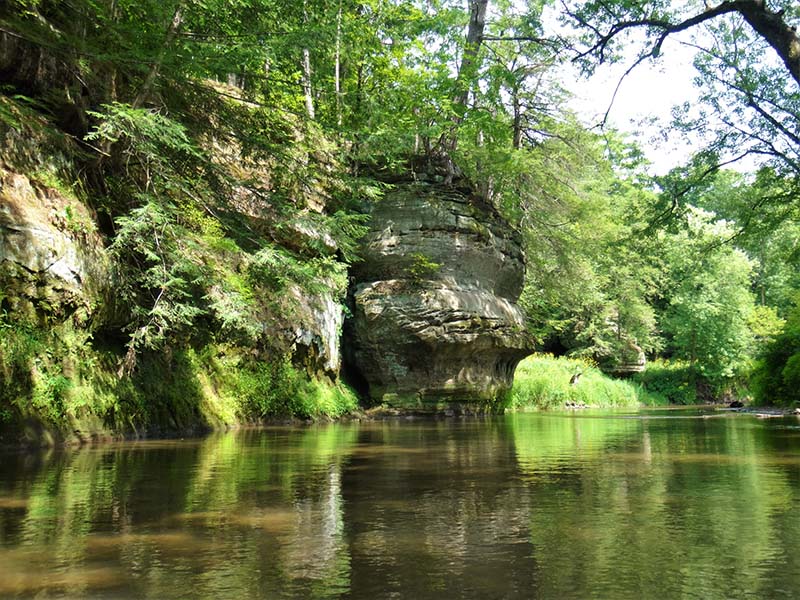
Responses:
[769,25]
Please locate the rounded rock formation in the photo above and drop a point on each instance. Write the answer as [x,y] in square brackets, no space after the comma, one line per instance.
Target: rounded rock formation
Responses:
[433,301]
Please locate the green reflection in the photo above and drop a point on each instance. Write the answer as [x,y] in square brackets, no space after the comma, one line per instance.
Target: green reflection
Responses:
[581,505]
[689,508]
[238,511]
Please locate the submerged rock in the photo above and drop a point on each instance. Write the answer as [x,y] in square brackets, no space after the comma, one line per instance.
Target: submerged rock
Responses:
[433,301]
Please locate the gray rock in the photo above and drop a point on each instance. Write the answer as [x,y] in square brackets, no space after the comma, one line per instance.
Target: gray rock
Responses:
[317,322]
[434,313]
[52,262]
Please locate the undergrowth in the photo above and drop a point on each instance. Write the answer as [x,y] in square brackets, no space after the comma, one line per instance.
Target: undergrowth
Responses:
[60,377]
[676,382]
[543,381]
[672,382]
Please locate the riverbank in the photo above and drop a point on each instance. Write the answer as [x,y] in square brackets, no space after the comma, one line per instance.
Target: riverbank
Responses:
[38,434]
[218,389]
[62,388]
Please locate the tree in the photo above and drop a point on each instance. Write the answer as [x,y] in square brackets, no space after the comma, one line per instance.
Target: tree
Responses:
[777,373]
[749,103]
[591,272]
[765,218]
[605,22]
[707,317]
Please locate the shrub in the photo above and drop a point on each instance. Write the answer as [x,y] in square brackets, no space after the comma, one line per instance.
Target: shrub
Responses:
[776,376]
[672,382]
[543,381]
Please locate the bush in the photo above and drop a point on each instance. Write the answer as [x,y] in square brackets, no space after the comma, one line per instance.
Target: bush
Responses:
[543,381]
[671,382]
[776,376]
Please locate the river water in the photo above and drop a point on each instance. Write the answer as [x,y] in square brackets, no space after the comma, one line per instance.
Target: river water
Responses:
[656,504]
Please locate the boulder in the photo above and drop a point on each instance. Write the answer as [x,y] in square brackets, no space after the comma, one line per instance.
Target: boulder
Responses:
[433,300]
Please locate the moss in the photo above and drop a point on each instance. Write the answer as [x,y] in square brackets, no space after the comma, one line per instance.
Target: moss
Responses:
[59,379]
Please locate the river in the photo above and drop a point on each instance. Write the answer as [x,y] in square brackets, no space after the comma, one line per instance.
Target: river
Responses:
[652,504]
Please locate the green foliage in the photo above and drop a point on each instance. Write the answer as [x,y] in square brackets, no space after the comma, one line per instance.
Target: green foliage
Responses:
[544,381]
[181,268]
[590,275]
[280,390]
[59,376]
[153,136]
[225,212]
[776,377]
[670,382]
[278,269]
[421,267]
[159,278]
[710,302]
[765,325]
[235,387]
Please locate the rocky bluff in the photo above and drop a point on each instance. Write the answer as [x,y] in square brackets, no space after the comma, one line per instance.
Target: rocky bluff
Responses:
[434,318]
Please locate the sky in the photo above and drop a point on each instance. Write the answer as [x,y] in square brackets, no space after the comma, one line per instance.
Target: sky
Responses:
[643,104]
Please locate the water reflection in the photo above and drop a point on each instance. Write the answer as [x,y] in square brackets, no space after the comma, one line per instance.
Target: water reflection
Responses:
[536,505]
[700,509]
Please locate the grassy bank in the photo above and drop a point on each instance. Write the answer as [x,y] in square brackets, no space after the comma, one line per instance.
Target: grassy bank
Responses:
[543,381]
[58,384]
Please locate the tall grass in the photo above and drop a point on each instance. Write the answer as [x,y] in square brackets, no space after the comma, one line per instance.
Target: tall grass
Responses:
[543,381]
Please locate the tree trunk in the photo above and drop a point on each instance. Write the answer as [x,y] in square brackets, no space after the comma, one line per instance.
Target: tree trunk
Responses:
[477,23]
[307,90]
[337,72]
[466,72]
[152,75]
[777,33]
[517,108]
[113,13]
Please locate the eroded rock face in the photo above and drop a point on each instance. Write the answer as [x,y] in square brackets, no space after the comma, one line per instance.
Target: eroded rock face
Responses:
[317,328]
[434,313]
[52,262]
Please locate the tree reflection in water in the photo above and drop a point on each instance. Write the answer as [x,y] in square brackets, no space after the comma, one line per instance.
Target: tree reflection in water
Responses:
[528,505]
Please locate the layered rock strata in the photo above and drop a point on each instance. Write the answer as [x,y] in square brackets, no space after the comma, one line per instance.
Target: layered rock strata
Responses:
[433,301]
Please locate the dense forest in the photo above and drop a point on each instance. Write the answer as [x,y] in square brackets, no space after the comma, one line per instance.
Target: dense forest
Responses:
[216,156]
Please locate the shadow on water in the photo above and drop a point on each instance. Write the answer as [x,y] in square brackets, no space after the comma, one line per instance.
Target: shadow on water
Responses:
[523,506]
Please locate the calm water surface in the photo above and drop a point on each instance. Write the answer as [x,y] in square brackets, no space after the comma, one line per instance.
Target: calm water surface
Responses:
[587,505]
